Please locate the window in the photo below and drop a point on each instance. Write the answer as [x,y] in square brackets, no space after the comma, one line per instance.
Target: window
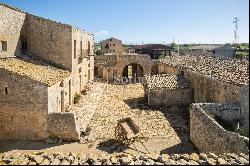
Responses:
[6,92]
[88,48]
[113,50]
[110,44]
[110,39]
[113,44]
[74,48]
[4,45]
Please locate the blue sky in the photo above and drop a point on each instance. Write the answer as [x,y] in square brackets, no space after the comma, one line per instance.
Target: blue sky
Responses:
[148,21]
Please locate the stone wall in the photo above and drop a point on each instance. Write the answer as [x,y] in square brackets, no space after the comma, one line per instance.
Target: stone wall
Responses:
[23,109]
[170,97]
[82,59]
[49,40]
[208,136]
[206,90]
[63,126]
[11,25]
[244,103]
[143,60]
[58,92]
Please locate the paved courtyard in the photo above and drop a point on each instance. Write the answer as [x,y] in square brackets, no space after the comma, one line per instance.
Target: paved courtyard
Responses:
[165,129]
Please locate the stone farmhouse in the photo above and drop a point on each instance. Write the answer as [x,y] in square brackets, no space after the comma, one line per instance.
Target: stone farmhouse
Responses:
[112,45]
[43,64]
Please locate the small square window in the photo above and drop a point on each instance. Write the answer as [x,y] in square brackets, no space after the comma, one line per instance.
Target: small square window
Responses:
[4,45]
[113,44]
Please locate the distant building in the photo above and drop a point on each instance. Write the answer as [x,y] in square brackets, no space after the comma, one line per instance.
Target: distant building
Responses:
[154,50]
[112,45]
[224,52]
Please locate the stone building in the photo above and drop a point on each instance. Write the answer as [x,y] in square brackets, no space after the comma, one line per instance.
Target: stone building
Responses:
[111,67]
[112,45]
[43,64]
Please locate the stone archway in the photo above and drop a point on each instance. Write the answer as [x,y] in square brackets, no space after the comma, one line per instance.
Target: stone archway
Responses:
[133,70]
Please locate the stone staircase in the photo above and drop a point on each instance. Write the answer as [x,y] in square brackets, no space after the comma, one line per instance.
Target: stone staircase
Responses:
[88,104]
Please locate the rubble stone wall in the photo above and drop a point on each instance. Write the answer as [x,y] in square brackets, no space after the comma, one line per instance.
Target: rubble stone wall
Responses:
[63,126]
[49,40]
[11,25]
[208,136]
[170,97]
[206,90]
[143,60]
[244,103]
[23,109]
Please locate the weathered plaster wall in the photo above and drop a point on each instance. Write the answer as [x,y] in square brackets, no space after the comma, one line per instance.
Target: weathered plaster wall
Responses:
[63,126]
[170,97]
[11,25]
[208,136]
[24,109]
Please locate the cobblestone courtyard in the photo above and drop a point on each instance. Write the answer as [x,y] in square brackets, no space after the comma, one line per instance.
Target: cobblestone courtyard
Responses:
[164,129]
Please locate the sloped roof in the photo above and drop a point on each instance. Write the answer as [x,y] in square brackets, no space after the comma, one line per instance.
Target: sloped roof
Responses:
[34,69]
[167,81]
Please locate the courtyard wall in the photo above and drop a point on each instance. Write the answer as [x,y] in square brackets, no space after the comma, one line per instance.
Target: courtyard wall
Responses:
[206,90]
[208,136]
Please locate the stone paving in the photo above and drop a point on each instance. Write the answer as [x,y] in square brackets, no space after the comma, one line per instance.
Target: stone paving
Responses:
[41,158]
[163,124]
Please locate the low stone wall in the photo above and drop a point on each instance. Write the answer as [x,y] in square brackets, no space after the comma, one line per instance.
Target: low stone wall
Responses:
[208,136]
[63,126]
[170,97]
[206,90]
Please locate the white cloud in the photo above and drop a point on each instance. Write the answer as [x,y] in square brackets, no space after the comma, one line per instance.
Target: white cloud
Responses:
[101,33]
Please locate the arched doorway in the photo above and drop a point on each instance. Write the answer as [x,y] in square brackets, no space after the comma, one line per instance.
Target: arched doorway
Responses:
[133,70]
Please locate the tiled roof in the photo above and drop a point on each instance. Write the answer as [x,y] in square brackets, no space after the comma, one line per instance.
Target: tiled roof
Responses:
[233,71]
[167,81]
[34,69]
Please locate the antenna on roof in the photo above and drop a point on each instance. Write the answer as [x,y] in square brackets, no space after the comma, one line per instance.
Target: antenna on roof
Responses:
[236,36]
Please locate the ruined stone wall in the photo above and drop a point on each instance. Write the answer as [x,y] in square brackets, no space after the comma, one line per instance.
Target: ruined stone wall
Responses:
[23,109]
[63,126]
[206,90]
[124,60]
[208,136]
[11,25]
[170,97]
[49,40]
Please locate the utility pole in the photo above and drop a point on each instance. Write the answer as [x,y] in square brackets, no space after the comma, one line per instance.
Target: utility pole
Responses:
[236,36]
